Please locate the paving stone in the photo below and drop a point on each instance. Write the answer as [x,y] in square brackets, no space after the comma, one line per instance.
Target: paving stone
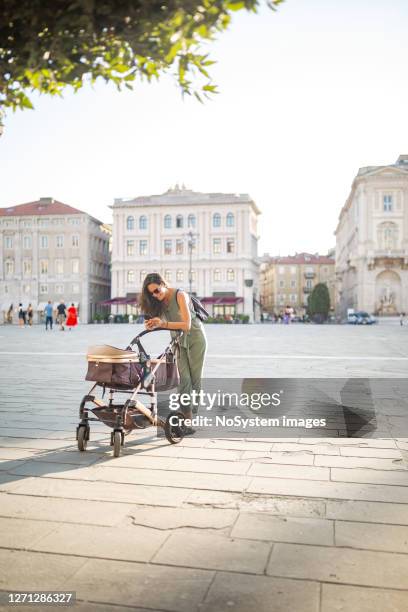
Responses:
[283,529]
[331,490]
[210,466]
[387,477]
[26,571]
[342,598]
[304,472]
[330,564]
[17,533]
[357,451]
[16,453]
[242,592]
[373,463]
[289,457]
[129,543]
[180,518]
[31,443]
[372,536]
[209,551]
[313,449]
[131,584]
[370,512]
[62,510]
[240,445]
[53,470]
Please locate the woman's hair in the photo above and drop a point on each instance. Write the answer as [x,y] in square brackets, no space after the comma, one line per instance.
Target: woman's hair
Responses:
[148,303]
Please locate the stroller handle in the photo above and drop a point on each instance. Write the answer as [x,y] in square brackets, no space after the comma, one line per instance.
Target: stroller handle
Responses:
[146,331]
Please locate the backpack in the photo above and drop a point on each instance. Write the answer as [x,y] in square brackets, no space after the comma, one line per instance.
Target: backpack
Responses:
[199,309]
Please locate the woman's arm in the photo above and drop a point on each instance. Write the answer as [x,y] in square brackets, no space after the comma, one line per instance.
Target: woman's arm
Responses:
[183,325]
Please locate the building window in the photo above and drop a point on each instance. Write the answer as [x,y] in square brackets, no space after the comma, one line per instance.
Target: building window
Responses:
[179,247]
[281,284]
[216,246]
[130,277]
[142,276]
[179,221]
[167,222]
[9,267]
[130,248]
[27,242]
[293,297]
[8,242]
[309,269]
[130,223]
[75,240]
[230,220]
[387,203]
[293,269]
[281,269]
[44,266]
[216,220]
[59,289]
[180,276]
[143,247]
[75,288]
[167,275]
[293,283]
[27,289]
[230,245]
[27,267]
[44,242]
[309,284]
[191,221]
[167,247]
[143,222]
[217,275]
[59,241]
[59,266]
[230,274]
[387,236]
[75,266]
[43,289]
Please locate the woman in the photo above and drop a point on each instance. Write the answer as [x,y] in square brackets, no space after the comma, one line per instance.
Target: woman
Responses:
[21,315]
[30,314]
[172,309]
[72,319]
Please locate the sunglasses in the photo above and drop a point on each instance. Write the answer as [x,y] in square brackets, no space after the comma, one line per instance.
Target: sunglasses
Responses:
[156,291]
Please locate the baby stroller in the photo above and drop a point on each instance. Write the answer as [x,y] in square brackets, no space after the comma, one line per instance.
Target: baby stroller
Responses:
[134,373]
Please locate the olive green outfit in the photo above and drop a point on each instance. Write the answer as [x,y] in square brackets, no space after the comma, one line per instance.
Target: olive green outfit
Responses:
[193,345]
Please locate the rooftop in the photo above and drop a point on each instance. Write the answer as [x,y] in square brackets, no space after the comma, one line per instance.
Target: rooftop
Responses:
[42,207]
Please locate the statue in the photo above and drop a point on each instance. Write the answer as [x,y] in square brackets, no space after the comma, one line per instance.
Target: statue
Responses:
[387,305]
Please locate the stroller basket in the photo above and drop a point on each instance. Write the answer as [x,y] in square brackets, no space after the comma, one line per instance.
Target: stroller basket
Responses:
[113,367]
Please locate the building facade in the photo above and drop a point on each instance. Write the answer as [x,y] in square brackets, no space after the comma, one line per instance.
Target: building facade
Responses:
[203,242]
[288,281]
[52,251]
[372,242]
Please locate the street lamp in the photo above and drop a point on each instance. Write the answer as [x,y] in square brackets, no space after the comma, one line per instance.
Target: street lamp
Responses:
[191,243]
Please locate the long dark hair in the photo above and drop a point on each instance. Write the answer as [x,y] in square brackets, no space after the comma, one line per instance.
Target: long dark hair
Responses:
[148,303]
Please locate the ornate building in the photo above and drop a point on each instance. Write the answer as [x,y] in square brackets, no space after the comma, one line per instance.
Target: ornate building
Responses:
[372,242]
[52,251]
[203,242]
[288,281]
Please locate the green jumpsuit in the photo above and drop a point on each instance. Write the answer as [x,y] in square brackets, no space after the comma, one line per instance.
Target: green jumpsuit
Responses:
[193,345]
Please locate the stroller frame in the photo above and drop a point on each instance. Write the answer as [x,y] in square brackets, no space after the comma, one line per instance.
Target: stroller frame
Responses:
[145,387]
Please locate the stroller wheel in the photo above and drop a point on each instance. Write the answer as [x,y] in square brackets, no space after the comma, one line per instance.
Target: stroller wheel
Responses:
[174,426]
[82,437]
[117,443]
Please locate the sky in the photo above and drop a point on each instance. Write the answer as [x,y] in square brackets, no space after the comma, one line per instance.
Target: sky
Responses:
[308,94]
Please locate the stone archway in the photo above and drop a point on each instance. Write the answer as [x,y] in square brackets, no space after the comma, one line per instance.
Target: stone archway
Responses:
[388,293]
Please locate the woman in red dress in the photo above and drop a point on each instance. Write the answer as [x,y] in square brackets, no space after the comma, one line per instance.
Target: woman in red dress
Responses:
[72,319]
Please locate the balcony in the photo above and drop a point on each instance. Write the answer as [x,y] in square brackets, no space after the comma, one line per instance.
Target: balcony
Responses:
[307,289]
[310,274]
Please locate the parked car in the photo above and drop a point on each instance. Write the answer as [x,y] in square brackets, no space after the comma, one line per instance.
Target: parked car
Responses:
[360,317]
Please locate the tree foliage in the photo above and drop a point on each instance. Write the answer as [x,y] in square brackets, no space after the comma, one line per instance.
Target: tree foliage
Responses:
[47,45]
[319,302]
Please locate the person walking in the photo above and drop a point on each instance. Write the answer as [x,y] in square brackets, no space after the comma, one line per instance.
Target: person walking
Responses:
[30,314]
[10,315]
[21,315]
[72,319]
[48,315]
[402,316]
[61,314]
[172,309]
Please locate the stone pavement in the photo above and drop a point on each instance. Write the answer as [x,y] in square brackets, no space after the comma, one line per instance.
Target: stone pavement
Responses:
[274,525]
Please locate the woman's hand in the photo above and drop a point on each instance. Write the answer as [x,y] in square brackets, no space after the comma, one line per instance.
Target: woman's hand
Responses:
[154,322]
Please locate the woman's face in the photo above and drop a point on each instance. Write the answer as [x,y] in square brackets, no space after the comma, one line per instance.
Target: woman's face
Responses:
[157,291]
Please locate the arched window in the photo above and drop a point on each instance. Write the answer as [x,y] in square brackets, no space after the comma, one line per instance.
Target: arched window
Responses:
[143,275]
[217,220]
[217,274]
[167,221]
[230,220]
[387,235]
[143,222]
[230,274]
[179,221]
[130,223]
[191,221]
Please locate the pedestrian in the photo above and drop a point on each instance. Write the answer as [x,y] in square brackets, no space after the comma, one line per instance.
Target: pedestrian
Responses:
[61,314]
[72,319]
[21,315]
[30,314]
[402,315]
[48,315]
[10,315]
[172,309]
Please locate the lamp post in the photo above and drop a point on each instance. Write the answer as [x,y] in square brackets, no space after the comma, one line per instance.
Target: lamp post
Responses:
[190,242]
